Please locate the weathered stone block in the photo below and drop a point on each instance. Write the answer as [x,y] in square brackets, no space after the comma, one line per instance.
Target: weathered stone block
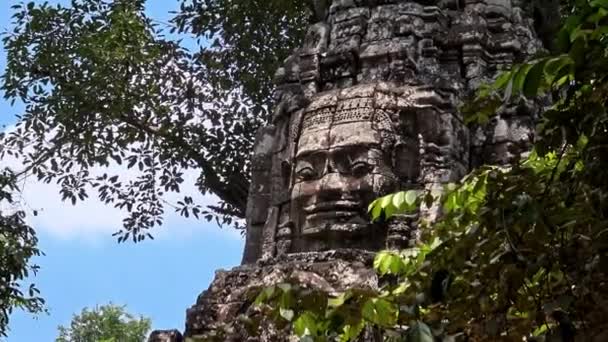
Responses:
[165,336]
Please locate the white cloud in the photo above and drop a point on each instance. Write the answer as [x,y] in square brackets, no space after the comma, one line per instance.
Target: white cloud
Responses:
[91,220]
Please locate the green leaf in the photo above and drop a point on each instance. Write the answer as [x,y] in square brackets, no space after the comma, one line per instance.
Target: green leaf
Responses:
[399,199]
[599,3]
[534,79]
[376,210]
[542,329]
[554,67]
[351,332]
[372,205]
[386,201]
[305,325]
[597,16]
[429,247]
[579,33]
[410,197]
[420,332]
[287,314]
[389,211]
[503,79]
[287,300]
[563,40]
[265,295]
[451,202]
[508,91]
[339,300]
[387,262]
[600,31]
[380,312]
[578,50]
[399,290]
[520,77]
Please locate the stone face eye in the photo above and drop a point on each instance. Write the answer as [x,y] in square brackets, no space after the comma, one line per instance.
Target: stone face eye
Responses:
[305,171]
[360,168]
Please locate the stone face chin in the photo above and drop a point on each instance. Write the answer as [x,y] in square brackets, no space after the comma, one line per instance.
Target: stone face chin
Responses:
[367,106]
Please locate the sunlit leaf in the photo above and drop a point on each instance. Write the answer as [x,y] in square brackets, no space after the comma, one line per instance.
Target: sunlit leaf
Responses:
[420,332]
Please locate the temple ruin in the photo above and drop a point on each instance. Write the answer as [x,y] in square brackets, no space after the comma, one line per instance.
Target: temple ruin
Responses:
[369,105]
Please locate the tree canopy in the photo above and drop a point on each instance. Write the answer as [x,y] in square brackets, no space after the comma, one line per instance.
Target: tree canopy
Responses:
[102,86]
[18,245]
[106,323]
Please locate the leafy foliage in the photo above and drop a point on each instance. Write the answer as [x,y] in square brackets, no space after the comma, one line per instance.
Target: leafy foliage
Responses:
[520,250]
[247,40]
[107,323]
[102,86]
[18,244]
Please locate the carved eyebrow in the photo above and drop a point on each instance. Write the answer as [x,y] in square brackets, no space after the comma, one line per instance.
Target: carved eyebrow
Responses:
[359,147]
[308,153]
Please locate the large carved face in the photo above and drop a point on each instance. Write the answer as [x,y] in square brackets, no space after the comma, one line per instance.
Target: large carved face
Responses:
[342,163]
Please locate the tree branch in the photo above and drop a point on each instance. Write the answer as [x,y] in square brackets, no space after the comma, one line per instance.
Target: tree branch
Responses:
[234,192]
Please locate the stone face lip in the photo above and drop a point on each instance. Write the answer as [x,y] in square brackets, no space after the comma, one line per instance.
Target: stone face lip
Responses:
[166,336]
[368,105]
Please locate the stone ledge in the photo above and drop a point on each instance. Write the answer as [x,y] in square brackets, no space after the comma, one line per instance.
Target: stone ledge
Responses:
[232,292]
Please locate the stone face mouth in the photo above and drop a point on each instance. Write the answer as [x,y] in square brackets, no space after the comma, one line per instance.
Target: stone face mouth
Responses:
[331,210]
[327,215]
[333,206]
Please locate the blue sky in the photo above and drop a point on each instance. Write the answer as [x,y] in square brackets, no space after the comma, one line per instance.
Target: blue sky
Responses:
[84,266]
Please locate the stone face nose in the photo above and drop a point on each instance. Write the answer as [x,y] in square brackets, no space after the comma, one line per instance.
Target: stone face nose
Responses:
[332,187]
[329,168]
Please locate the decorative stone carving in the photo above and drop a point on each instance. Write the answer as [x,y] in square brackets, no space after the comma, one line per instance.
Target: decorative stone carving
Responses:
[370,105]
[349,151]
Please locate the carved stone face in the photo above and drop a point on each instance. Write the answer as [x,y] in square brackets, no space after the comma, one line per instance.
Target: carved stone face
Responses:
[340,167]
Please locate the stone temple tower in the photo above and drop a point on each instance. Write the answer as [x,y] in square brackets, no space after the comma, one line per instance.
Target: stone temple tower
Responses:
[369,105]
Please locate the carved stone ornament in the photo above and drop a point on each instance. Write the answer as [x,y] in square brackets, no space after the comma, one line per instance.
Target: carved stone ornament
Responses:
[367,106]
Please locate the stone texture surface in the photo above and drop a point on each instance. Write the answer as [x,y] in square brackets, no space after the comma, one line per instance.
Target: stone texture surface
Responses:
[369,105]
[166,336]
[232,292]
